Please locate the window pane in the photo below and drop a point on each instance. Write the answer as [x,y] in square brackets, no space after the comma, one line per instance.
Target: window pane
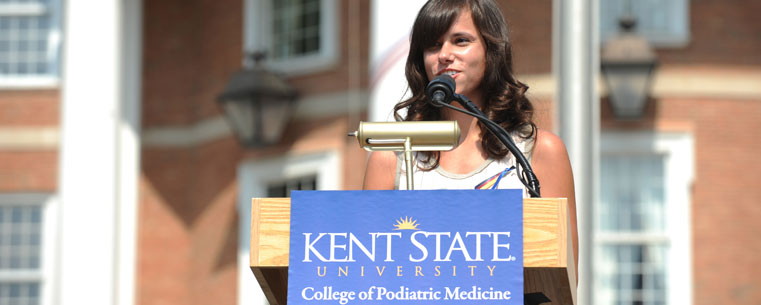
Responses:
[20,237]
[284,188]
[662,22]
[26,44]
[295,28]
[277,190]
[23,1]
[631,274]
[21,293]
[632,194]
[20,250]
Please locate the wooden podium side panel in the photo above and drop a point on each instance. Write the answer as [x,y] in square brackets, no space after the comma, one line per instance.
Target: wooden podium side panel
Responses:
[270,229]
[270,232]
[543,235]
[546,255]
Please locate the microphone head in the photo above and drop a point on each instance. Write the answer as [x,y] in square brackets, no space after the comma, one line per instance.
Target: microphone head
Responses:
[440,90]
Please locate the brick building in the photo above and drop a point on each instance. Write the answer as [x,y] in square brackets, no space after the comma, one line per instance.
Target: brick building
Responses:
[121,181]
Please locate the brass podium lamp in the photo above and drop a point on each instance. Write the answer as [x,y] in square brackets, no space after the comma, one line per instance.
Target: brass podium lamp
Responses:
[408,137]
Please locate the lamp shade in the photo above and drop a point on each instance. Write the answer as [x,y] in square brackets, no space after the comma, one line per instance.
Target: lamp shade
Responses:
[627,63]
[258,105]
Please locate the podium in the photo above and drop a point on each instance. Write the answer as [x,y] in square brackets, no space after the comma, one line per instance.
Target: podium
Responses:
[548,263]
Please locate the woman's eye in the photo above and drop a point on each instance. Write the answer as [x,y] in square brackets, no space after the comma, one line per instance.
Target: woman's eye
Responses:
[461,40]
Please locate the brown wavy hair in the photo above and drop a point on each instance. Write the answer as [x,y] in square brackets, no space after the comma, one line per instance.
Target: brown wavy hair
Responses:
[504,102]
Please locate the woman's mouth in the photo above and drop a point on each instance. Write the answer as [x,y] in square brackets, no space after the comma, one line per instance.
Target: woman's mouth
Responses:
[451,73]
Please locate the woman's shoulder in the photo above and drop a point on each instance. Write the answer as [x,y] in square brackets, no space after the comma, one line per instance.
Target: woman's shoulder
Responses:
[553,167]
[381,171]
[549,149]
[548,141]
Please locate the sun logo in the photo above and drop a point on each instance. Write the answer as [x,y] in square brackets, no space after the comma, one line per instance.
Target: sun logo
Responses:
[406,223]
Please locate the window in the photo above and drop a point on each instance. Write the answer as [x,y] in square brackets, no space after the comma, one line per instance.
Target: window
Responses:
[295,28]
[29,42]
[299,36]
[665,23]
[275,178]
[632,241]
[642,223]
[284,188]
[24,249]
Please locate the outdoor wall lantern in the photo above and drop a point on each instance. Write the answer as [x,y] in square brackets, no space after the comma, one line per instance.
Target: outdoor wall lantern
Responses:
[257,103]
[628,63]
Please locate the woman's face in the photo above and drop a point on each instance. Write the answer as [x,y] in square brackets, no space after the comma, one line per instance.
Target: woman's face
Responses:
[461,53]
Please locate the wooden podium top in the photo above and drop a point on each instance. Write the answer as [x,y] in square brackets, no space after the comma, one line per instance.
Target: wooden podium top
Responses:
[547,254]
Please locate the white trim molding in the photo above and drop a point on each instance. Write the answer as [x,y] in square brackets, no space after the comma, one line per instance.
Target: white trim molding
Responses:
[674,82]
[29,83]
[29,138]
[253,178]
[187,136]
[707,83]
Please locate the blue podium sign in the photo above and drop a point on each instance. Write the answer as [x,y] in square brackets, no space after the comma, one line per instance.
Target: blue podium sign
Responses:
[406,247]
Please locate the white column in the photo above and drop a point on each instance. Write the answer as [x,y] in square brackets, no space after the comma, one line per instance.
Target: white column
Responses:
[390,26]
[576,64]
[99,152]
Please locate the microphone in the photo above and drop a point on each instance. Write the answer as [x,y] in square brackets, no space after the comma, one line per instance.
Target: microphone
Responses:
[440,90]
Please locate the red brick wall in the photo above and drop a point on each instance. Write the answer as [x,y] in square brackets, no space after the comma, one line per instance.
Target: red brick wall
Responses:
[530,25]
[187,242]
[30,169]
[726,199]
[190,49]
[164,246]
[188,225]
[721,33]
[29,108]
[188,220]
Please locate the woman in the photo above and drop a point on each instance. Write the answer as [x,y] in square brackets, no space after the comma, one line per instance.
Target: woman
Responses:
[468,39]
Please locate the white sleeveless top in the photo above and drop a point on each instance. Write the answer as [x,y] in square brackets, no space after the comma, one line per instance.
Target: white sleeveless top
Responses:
[438,178]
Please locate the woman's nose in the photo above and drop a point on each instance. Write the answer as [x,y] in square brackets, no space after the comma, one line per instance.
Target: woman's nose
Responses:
[445,53]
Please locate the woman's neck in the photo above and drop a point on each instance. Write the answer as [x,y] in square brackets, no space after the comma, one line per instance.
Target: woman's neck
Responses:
[467,122]
[469,129]
[469,154]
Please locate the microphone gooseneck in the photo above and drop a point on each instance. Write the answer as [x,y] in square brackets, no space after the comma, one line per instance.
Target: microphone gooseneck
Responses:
[443,87]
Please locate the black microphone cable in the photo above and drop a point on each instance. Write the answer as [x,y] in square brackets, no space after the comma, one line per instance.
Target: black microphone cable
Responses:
[526,174]
[440,90]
